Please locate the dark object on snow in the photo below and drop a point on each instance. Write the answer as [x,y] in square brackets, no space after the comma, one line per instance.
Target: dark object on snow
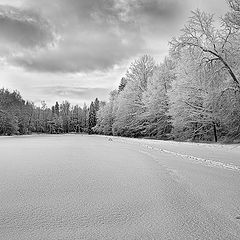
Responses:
[110,139]
[238,217]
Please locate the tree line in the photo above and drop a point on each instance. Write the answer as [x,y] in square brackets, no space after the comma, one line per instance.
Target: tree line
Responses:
[194,94]
[18,116]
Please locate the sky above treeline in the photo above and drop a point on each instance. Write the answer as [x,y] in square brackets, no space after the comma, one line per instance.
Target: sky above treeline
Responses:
[77,50]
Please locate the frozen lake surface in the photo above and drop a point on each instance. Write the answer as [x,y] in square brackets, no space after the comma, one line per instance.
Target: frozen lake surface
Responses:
[68,187]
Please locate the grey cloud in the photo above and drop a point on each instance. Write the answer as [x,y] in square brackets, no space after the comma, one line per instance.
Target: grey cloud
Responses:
[97,34]
[23,28]
[86,53]
[159,9]
[158,16]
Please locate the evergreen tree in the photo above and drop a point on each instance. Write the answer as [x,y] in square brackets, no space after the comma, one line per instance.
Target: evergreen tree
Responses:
[53,111]
[91,118]
[57,109]
[96,106]
[122,84]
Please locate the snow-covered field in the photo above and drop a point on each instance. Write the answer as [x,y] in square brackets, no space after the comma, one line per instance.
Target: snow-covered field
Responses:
[87,187]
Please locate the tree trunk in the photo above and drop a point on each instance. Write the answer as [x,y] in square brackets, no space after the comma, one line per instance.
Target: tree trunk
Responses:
[215,132]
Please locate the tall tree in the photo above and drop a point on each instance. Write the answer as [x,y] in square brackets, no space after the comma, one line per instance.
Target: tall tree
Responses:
[84,123]
[57,111]
[96,106]
[65,114]
[130,104]
[156,101]
[91,118]
[193,97]
[105,115]
[215,45]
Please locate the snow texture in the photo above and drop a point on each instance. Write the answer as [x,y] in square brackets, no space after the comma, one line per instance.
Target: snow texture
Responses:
[90,187]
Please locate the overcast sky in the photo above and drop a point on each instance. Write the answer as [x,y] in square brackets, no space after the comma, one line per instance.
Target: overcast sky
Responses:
[79,49]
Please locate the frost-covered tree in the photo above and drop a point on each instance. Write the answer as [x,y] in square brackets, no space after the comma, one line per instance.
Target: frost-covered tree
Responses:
[233,16]
[84,120]
[193,97]
[156,101]
[25,119]
[105,115]
[214,54]
[8,123]
[13,113]
[75,123]
[65,114]
[215,45]
[130,100]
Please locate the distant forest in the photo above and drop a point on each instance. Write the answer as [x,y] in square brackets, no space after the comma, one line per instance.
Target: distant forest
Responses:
[194,94]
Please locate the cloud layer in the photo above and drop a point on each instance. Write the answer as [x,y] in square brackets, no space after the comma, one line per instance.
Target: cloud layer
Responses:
[23,29]
[82,36]
[79,49]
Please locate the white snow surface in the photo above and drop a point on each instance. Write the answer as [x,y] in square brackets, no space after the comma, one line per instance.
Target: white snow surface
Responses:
[87,187]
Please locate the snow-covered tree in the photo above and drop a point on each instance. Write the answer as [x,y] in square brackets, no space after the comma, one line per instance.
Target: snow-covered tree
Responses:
[215,45]
[105,115]
[130,100]
[233,16]
[156,101]
[194,96]
[65,114]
